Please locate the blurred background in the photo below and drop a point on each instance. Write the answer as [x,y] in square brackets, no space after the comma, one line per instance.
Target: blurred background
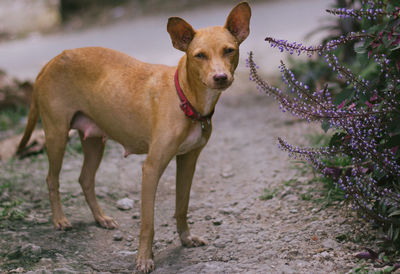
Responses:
[34,31]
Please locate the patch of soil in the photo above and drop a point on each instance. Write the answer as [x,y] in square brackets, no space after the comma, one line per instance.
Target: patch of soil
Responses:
[284,231]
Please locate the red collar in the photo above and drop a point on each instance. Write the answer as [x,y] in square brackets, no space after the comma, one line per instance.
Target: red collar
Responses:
[185,105]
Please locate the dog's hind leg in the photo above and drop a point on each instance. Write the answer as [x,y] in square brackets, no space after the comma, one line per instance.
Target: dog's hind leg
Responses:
[185,167]
[93,149]
[56,132]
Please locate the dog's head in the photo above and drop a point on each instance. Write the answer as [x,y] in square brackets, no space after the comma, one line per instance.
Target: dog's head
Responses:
[213,52]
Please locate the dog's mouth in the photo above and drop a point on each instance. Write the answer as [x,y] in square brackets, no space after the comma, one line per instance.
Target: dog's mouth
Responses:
[222,86]
[219,86]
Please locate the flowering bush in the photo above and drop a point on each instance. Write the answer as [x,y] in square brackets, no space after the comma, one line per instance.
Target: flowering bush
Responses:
[363,110]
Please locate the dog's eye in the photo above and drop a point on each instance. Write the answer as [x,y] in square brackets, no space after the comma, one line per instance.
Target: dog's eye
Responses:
[228,50]
[200,55]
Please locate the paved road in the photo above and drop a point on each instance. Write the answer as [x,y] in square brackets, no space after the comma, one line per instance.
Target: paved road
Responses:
[147,39]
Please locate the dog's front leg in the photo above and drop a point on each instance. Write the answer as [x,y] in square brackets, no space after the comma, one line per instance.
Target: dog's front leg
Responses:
[185,167]
[157,160]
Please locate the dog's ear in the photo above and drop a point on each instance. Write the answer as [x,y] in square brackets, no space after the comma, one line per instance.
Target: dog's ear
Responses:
[181,33]
[238,21]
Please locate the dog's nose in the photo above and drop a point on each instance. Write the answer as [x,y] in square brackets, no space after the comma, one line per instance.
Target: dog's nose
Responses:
[220,77]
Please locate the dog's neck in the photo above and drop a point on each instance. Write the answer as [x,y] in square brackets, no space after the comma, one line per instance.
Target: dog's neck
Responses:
[203,99]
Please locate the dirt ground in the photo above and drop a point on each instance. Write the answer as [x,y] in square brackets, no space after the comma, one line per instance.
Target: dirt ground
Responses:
[255,207]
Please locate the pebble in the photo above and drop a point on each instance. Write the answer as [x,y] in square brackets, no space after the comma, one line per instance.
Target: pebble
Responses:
[136,215]
[227,211]
[41,221]
[127,253]
[220,243]
[60,258]
[227,172]
[330,244]
[242,240]
[125,204]
[18,270]
[39,271]
[45,261]
[31,249]
[118,236]
[102,191]
[217,222]
[63,271]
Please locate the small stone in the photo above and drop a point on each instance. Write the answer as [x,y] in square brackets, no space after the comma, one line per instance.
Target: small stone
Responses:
[41,221]
[242,240]
[60,258]
[227,172]
[45,261]
[39,271]
[18,270]
[102,192]
[226,211]
[217,222]
[220,243]
[330,244]
[324,254]
[130,238]
[118,236]
[31,249]
[76,193]
[207,217]
[136,215]
[125,204]
[63,271]
[127,253]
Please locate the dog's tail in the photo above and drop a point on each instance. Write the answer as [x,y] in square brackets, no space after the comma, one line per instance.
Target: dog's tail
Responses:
[32,120]
[33,116]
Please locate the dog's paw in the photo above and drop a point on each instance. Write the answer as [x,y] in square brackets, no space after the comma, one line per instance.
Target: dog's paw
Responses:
[107,222]
[144,265]
[190,240]
[62,224]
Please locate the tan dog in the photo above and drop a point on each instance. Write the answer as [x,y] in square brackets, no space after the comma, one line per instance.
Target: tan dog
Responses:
[106,94]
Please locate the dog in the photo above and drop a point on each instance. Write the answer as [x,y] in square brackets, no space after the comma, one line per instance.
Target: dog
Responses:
[155,109]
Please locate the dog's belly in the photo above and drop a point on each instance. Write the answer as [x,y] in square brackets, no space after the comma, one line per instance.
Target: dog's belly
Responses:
[87,126]
[90,129]
[195,139]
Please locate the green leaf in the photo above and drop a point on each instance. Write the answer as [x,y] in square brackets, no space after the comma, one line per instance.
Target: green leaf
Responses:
[394,141]
[389,269]
[337,139]
[396,234]
[360,48]
[325,125]
[370,69]
[394,213]
[343,95]
[395,48]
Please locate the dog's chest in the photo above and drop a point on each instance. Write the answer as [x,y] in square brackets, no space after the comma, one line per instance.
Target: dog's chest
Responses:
[194,139]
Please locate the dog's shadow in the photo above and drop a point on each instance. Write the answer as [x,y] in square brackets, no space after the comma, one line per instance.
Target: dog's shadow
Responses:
[174,259]
[70,242]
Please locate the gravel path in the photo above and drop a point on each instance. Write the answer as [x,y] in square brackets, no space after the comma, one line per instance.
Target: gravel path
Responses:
[246,234]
